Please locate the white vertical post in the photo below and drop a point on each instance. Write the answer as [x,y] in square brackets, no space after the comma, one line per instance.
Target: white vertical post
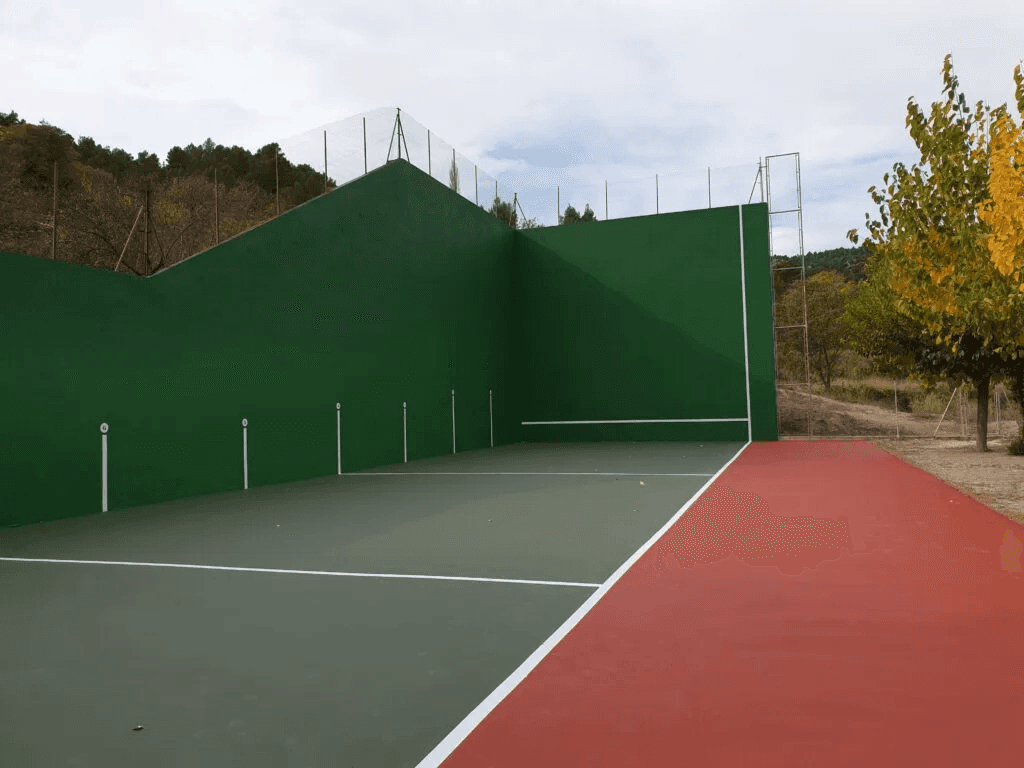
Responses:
[656,193]
[490,397]
[453,421]
[709,186]
[103,438]
[746,345]
[339,438]
[405,435]
[245,452]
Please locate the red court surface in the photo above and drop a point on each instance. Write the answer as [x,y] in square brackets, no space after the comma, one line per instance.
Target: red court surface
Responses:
[822,604]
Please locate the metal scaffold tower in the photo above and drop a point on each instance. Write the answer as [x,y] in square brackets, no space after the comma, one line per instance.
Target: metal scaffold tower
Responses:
[803,277]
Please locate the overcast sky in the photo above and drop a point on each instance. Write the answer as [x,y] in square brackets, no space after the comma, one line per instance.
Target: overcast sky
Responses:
[537,95]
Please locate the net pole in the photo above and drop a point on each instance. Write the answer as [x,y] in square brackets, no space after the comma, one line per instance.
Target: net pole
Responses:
[606,200]
[405,435]
[476,185]
[709,186]
[490,397]
[339,437]
[365,167]
[453,421]
[429,171]
[656,193]
[325,162]
[277,183]
[245,453]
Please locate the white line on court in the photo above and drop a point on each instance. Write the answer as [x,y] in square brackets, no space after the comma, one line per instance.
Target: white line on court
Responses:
[441,752]
[306,573]
[610,474]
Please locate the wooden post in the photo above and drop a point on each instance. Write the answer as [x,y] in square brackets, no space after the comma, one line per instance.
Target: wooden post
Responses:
[126,242]
[54,251]
[896,402]
[963,414]
[216,209]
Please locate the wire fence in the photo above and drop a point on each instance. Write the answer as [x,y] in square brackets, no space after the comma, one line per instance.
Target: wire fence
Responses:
[348,148]
[957,418]
[144,224]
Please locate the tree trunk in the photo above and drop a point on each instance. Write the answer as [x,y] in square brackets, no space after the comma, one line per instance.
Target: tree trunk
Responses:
[982,385]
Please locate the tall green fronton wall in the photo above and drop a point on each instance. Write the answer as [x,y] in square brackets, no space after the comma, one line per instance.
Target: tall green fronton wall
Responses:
[383,296]
[640,322]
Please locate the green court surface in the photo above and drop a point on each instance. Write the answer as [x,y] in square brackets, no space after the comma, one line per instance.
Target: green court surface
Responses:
[350,620]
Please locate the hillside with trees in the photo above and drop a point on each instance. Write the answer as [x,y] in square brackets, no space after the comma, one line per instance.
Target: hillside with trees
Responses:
[103,195]
[141,215]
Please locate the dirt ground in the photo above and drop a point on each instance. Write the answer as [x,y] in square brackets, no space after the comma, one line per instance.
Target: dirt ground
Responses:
[994,478]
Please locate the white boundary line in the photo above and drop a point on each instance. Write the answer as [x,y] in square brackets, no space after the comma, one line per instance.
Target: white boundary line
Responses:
[304,573]
[631,421]
[602,474]
[448,745]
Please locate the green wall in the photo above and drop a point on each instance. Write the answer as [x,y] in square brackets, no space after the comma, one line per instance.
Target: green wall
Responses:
[641,319]
[387,290]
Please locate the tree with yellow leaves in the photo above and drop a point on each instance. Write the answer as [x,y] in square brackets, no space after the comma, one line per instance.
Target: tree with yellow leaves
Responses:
[940,271]
[1003,212]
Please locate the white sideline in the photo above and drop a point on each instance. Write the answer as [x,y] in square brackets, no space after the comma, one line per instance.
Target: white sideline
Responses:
[304,573]
[458,734]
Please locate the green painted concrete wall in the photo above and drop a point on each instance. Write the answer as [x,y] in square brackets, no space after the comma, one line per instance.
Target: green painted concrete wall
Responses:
[642,319]
[391,289]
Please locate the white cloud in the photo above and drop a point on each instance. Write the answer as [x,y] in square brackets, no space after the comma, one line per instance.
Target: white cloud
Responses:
[538,94]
